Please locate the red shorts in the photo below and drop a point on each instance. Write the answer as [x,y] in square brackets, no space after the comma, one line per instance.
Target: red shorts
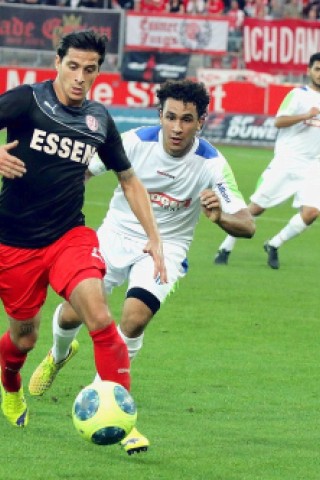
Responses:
[25,274]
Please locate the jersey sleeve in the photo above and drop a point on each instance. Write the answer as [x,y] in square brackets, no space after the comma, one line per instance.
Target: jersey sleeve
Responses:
[226,187]
[290,105]
[14,104]
[112,152]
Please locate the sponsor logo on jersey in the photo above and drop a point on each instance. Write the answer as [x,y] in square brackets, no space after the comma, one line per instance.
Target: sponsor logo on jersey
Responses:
[92,123]
[167,202]
[224,194]
[165,174]
[51,107]
[96,253]
[64,147]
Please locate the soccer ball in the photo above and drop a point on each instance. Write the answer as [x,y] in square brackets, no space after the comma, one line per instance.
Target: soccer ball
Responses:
[104,413]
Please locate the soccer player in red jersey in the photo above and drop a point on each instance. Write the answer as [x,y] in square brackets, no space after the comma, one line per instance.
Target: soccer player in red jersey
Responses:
[52,133]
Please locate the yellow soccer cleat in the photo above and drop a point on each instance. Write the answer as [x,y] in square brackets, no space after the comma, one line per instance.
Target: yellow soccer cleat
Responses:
[44,375]
[135,442]
[14,407]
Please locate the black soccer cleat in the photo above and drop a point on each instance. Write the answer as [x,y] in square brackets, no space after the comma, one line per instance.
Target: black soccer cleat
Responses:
[222,257]
[273,258]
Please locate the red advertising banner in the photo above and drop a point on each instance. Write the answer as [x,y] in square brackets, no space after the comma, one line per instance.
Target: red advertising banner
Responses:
[244,97]
[40,28]
[175,33]
[279,46]
[109,89]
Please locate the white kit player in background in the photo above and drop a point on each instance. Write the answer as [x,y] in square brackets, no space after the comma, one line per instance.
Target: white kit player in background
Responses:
[184,175]
[295,168]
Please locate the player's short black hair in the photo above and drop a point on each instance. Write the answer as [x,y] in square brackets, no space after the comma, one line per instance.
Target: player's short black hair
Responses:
[314,58]
[83,40]
[188,91]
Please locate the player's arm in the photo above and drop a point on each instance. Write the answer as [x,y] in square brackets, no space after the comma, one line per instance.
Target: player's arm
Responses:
[14,106]
[238,224]
[139,201]
[284,121]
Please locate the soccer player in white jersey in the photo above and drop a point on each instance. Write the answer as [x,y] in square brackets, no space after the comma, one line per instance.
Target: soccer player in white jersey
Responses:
[183,175]
[294,170]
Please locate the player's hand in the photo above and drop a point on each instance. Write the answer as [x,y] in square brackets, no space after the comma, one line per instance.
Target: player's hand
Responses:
[10,166]
[154,248]
[313,112]
[210,204]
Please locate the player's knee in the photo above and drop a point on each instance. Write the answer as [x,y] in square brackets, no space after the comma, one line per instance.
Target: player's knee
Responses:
[26,343]
[133,325]
[255,209]
[139,308]
[309,215]
[98,319]
[24,334]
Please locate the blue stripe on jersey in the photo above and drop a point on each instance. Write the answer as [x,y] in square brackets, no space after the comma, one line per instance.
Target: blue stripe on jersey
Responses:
[205,149]
[149,134]
[303,87]
[185,265]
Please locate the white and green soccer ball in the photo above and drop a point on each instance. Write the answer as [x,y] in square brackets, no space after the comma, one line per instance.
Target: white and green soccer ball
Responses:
[104,413]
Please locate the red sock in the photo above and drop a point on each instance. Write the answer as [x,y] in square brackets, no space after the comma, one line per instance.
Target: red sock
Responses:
[11,361]
[111,355]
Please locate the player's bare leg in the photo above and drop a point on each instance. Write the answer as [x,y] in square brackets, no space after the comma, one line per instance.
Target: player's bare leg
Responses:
[14,347]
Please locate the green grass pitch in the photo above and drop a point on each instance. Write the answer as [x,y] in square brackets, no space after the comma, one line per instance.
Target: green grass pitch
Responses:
[227,385]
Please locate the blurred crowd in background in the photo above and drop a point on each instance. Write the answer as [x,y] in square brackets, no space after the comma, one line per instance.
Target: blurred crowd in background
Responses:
[234,10]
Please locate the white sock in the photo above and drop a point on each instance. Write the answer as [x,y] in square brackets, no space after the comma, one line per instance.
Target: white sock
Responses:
[61,338]
[228,243]
[134,345]
[295,226]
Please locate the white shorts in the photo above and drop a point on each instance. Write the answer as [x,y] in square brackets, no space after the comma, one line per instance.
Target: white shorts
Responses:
[126,261]
[277,184]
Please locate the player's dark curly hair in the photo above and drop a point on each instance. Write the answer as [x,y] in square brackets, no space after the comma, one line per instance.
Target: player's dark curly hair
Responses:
[83,40]
[187,91]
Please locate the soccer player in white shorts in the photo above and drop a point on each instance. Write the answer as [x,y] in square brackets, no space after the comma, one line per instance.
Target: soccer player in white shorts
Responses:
[294,170]
[127,263]
[275,186]
[184,176]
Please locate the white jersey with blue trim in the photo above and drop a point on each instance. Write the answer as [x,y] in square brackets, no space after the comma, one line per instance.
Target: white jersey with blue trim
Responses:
[300,143]
[174,185]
